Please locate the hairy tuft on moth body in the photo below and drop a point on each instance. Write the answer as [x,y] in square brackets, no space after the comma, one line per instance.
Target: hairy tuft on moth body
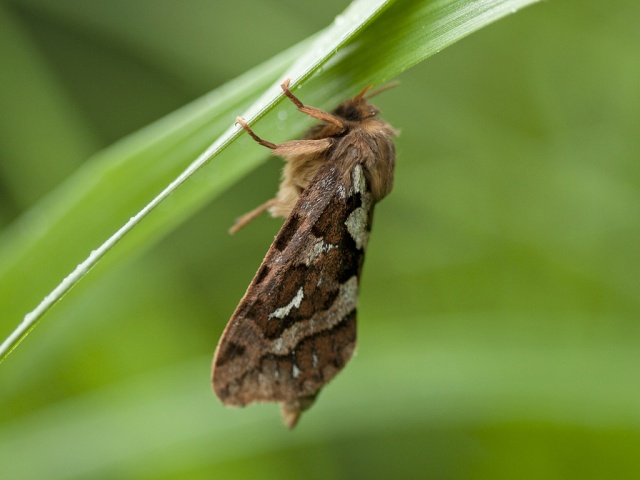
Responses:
[295,327]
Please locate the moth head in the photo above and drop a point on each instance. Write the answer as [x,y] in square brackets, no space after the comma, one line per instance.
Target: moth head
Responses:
[358,108]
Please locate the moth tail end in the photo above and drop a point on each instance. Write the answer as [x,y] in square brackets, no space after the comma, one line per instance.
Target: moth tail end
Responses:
[292,410]
[290,417]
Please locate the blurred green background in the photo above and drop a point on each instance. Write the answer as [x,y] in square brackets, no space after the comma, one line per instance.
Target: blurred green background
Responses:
[500,302]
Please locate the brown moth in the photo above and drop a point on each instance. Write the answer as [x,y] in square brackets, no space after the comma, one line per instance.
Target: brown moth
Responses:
[295,327]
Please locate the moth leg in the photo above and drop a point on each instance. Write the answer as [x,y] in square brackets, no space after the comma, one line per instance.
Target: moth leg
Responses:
[247,129]
[253,214]
[294,147]
[311,111]
[302,147]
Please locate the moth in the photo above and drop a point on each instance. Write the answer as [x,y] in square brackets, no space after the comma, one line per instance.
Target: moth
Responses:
[295,327]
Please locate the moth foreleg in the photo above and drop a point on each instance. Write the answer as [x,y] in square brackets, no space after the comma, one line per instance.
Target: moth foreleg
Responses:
[294,147]
[247,129]
[253,214]
[311,111]
[302,147]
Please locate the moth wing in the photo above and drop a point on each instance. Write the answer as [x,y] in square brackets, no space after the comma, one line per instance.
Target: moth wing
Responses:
[295,327]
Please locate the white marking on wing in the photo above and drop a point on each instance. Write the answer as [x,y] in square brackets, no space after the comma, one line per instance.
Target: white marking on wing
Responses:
[295,303]
[357,222]
[357,227]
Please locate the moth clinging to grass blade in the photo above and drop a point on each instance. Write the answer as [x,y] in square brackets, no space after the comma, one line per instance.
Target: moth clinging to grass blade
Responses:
[295,327]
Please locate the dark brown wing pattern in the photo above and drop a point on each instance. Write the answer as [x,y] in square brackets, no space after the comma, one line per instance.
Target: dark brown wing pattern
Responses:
[295,327]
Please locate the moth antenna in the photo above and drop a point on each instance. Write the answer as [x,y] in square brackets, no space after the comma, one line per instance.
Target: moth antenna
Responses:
[384,88]
[361,94]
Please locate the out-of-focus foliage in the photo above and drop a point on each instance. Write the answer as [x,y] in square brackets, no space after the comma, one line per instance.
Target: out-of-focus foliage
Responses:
[500,298]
